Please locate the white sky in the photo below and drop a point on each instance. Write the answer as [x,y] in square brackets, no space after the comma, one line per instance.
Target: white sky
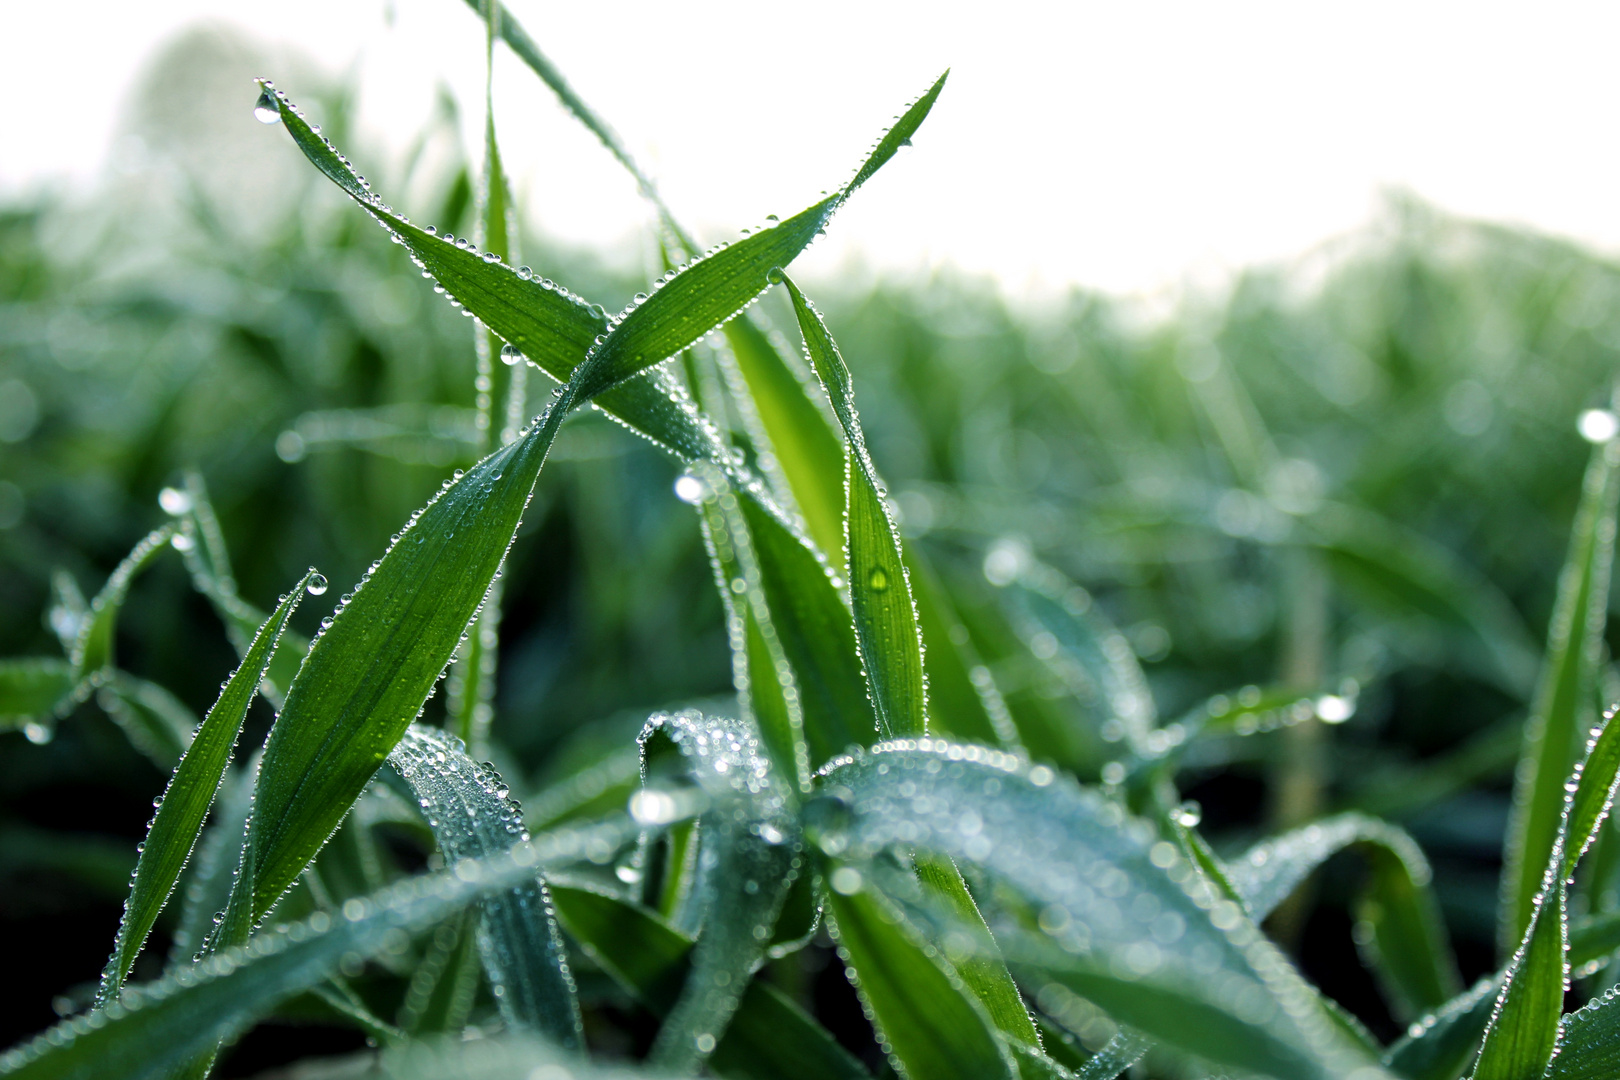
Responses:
[1120,145]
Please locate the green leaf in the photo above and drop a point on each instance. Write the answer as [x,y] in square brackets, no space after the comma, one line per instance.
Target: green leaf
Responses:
[1443,1044]
[1593,938]
[769,1037]
[905,127]
[1589,1042]
[469,808]
[156,722]
[964,704]
[30,689]
[751,856]
[816,633]
[1079,864]
[442,987]
[886,631]
[1523,1030]
[93,650]
[1561,711]
[1409,948]
[805,446]
[927,1019]
[152,1030]
[190,792]
[209,889]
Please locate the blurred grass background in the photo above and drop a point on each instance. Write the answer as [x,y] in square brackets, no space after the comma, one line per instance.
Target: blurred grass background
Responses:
[1360,466]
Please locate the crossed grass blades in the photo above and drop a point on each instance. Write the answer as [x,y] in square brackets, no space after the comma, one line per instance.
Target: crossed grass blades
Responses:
[997,917]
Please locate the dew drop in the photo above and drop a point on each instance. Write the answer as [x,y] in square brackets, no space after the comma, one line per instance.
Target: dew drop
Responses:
[878,579]
[173,501]
[317,584]
[38,734]
[265,110]
[510,355]
[1598,425]
[690,489]
[181,542]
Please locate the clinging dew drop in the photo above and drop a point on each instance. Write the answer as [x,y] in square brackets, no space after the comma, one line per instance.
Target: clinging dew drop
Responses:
[317,584]
[510,355]
[265,110]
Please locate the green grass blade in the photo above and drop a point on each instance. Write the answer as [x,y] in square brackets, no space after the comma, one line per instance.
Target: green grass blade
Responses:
[210,887]
[1589,1042]
[805,446]
[1117,1054]
[1523,1030]
[930,1023]
[751,856]
[767,691]
[93,650]
[1410,948]
[899,135]
[1593,938]
[155,722]
[152,1030]
[964,703]
[441,991]
[813,624]
[472,817]
[1561,711]
[886,630]
[179,819]
[768,1037]
[1595,779]
[30,689]
[1442,1045]
[1055,845]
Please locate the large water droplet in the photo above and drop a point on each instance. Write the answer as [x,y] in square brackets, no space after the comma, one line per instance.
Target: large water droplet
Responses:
[173,501]
[316,584]
[265,110]
[510,355]
[690,489]
[878,579]
[1598,425]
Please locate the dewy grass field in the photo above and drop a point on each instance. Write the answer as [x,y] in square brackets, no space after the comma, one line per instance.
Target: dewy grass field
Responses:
[934,822]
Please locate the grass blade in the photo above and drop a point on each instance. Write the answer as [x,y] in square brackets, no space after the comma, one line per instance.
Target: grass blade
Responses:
[927,1019]
[468,807]
[152,1030]
[1441,1045]
[179,819]
[154,721]
[768,1037]
[440,995]
[29,691]
[210,887]
[964,703]
[886,629]
[93,649]
[750,859]
[1589,1042]
[1410,949]
[1561,709]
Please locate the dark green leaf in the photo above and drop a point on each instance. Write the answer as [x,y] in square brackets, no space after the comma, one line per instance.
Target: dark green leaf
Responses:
[31,687]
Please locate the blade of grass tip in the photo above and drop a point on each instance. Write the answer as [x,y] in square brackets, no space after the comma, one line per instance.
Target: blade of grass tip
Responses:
[767,692]
[93,648]
[153,1030]
[886,628]
[181,811]
[472,816]
[751,857]
[1560,711]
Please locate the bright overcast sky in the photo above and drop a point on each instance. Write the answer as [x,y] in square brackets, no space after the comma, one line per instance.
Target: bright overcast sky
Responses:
[1118,145]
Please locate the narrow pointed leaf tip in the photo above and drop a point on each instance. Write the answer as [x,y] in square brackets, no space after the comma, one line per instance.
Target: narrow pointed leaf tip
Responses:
[899,135]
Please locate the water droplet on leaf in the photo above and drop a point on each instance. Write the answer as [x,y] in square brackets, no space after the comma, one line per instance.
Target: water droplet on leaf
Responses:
[316,584]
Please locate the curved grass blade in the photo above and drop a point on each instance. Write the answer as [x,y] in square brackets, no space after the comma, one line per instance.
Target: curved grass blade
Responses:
[749,859]
[1589,1042]
[927,1019]
[886,628]
[1409,948]
[1080,866]
[30,689]
[768,1037]
[93,649]
[469,810]
[180,814]
[1441,1045]
[1561,709]
[150,1031]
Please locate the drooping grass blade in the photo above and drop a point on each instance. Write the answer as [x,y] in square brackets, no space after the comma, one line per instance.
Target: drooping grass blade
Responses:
[751,856]
[472,816]
[93,650]
[179,819]
[1409,947]
[1561,710]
